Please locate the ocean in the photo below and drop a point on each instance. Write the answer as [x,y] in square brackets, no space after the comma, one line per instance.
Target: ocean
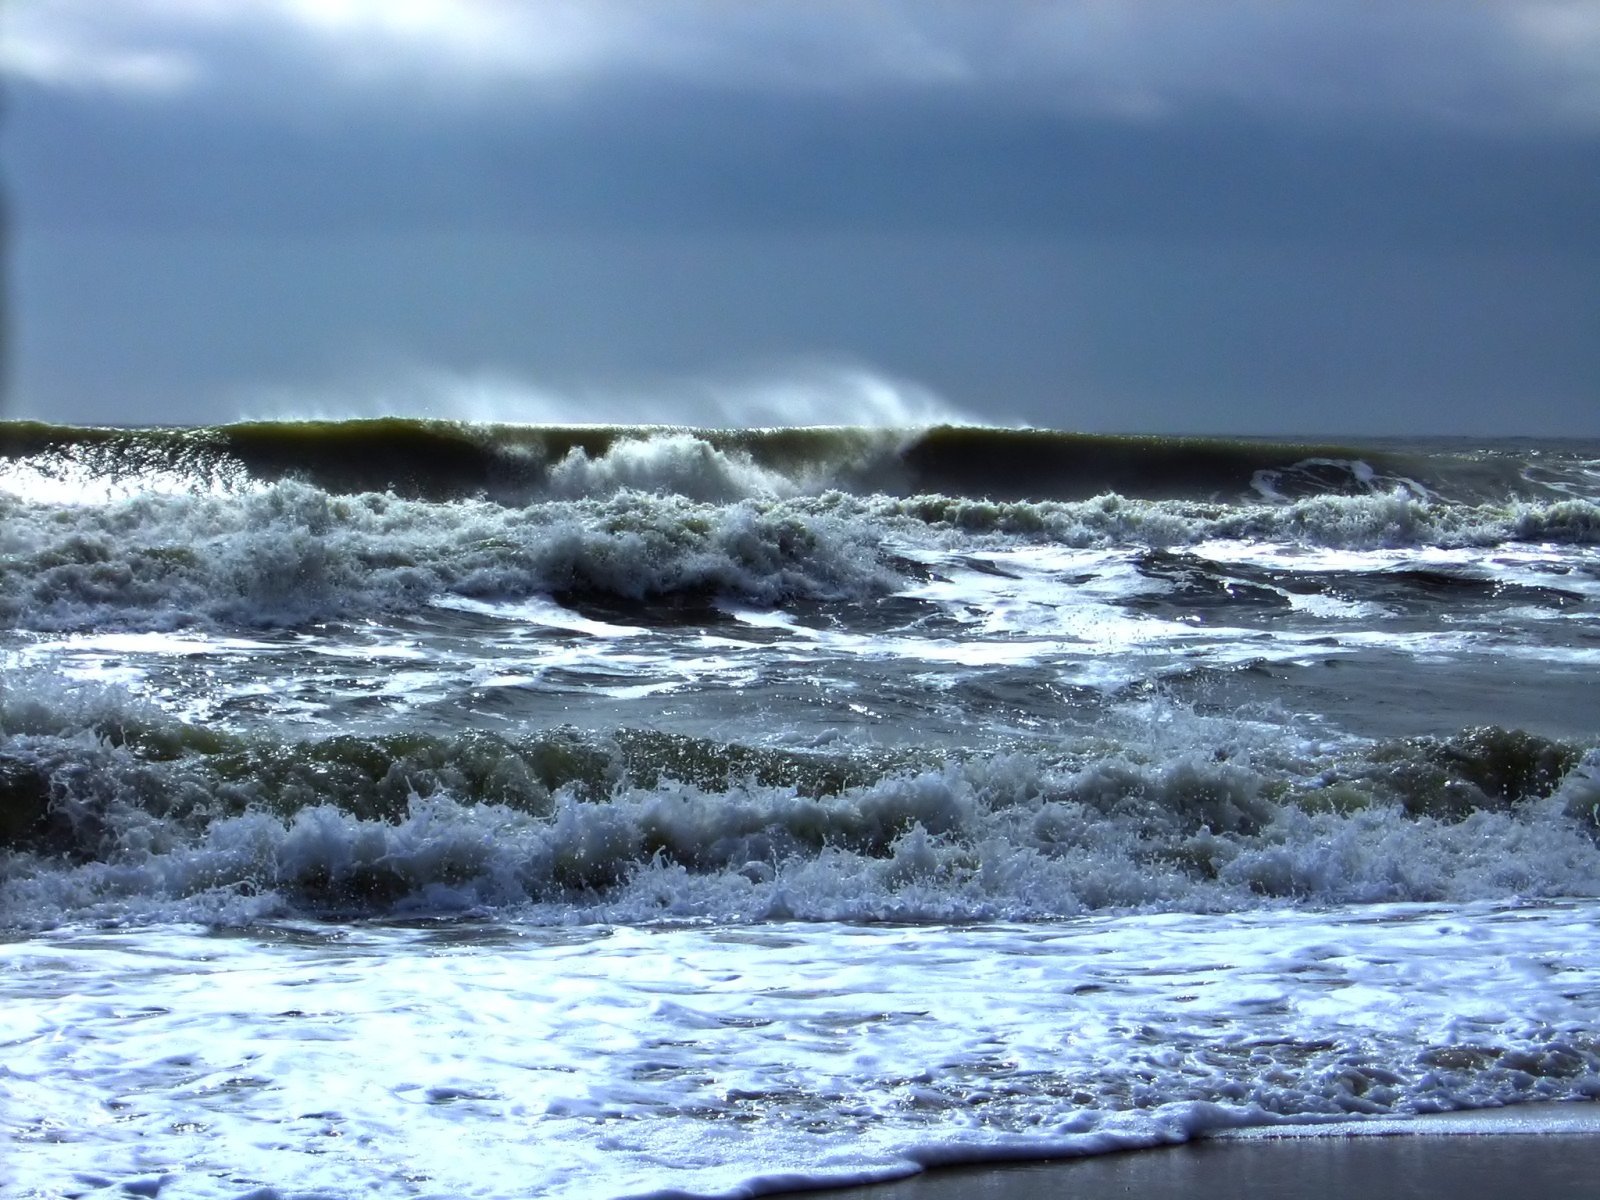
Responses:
[401,808]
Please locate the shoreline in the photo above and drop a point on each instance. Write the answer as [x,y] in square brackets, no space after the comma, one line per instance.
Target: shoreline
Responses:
[1531,1150]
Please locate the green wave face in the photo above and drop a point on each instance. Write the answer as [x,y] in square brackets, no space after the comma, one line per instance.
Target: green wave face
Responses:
[446,460]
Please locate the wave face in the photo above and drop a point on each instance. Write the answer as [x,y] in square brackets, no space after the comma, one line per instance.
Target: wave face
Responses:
[442,460]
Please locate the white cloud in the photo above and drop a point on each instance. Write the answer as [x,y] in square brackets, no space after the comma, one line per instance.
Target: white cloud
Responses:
[1503,62]
[84,47]
[462,38]
[818,45]
[67,65]
[1561,39]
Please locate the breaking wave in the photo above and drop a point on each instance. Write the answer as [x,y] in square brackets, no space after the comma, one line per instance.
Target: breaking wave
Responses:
[514,464]
[119,814]
[291,553]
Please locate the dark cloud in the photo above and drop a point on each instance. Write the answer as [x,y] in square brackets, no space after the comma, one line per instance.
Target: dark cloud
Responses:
[681,159]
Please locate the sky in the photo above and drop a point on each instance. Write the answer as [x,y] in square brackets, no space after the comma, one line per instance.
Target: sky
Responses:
[1238,216]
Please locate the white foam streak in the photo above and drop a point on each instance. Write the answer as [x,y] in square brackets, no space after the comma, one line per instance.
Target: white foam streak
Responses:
[543,612]
[1376,521]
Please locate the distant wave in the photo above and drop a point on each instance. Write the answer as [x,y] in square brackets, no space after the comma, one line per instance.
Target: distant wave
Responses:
[513,464]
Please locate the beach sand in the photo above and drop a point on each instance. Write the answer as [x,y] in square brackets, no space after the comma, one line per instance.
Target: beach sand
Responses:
[1530,1153]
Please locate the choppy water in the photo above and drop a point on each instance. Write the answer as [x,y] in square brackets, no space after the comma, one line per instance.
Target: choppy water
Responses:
[431,809]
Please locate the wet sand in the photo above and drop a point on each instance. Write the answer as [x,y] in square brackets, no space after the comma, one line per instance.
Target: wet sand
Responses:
[1531,1152]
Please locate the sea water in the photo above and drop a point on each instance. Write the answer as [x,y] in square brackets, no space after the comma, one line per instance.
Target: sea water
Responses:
[419,809]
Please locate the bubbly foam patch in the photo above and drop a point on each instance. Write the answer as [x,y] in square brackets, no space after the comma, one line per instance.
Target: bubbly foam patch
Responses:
[720,1060]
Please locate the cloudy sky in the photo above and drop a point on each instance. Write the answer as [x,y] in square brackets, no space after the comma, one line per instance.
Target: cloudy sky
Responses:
[1255,216]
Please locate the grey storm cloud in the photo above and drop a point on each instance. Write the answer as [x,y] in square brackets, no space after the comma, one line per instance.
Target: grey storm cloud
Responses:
[1450,124]
[647,158]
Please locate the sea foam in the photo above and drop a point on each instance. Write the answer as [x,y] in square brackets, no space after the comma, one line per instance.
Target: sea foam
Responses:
[291,553]
[222,829]
[693,1060]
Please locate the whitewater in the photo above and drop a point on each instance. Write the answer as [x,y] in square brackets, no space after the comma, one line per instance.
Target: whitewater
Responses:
[417,808]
